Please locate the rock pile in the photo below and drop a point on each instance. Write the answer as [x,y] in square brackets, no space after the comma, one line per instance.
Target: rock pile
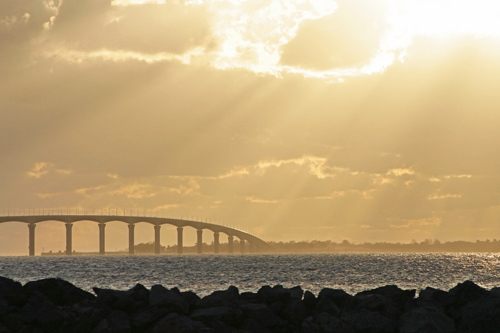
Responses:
[55,305]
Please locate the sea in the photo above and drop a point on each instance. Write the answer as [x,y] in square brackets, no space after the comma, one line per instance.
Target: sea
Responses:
[206,273]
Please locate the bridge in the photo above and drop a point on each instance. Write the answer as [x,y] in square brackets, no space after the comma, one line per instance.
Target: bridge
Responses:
[255,244]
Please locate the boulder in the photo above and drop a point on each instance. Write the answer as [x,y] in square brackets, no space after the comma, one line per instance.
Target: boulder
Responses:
[363,320]
[294,312]
[40,311]
[338,296]
[434,297]
[279,294]
[393,292]
[262,315]
[12,291]
[480,315]
[58,291]
[225,314]
[322,322]
[466,292]
[219,298]
[117,322]
[426,319]
[171,299]
[378,303]
[127,300]
[309,300]
[327,305]
[146,317]
[177,323]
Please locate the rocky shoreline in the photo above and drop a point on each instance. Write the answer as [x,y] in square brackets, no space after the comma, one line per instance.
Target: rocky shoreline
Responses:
[55,305]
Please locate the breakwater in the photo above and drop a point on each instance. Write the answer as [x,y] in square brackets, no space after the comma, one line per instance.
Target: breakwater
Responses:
[55,305]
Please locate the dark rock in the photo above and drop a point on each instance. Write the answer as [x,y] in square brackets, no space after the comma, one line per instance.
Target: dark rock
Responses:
[294,313]
[4,329]
[39,311]
[176,323]
[326,304]
[276,294]
[435,297]
[466,292]
[58,291]
[426,319]
[261,314]
[172,299]
[322,322]
[117,322]
[480,315]
[296,293]
[13,321]
[127,300]
[224,314]
[338,296]
[393,292]
[115,299]
[364,320]
[309,300]
[190,297]
[12,291]
[379,303]
[248,297]
[146,317]
[219,298]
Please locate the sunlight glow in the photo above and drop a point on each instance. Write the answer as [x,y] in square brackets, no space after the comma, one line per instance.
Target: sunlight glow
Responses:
[251,35]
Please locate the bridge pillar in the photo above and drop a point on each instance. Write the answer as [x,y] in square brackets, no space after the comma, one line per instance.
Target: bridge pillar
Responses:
[252,247]
[230,244]
[131,227]
[216,242]
[199,243]
[102,249]
[69,238]
[31,246]
[157,239]
[242,245]
[179,240]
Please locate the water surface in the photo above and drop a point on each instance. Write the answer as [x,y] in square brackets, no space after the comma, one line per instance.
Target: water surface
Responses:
[204,274]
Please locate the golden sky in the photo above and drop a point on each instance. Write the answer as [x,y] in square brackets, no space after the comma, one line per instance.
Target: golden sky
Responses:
[365,120]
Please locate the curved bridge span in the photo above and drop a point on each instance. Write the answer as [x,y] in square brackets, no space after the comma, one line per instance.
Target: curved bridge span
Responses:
[255,243]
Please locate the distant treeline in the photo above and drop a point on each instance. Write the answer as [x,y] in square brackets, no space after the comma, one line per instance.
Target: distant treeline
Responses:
[316,246]
[427,245]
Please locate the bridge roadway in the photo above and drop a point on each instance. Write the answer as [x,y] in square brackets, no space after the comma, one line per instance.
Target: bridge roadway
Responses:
[255,243]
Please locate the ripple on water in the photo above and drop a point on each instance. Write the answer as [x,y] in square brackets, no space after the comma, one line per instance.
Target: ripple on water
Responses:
[206,273]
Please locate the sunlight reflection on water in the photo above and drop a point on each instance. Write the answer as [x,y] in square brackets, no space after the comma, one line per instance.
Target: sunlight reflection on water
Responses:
[206,273]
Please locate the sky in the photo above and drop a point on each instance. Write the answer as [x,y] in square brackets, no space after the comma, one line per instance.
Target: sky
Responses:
[363,120]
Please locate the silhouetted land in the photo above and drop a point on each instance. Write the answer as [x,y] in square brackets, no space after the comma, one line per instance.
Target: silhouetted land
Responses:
[425,246]
[328,247]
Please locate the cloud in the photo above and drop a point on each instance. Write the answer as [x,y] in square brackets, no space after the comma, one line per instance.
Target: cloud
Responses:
[254,199]
[40,169]
[349,37]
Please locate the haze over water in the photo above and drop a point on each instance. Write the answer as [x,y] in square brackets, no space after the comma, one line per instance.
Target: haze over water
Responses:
[204,274]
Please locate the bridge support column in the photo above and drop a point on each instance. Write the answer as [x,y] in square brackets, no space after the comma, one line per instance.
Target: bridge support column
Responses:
[131,227]
[179,240]
[31,246]
[102,248]
[242,245]
[216,242]
[69,238]
[157,239]
[230,244]
[199,243]
[252,247]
